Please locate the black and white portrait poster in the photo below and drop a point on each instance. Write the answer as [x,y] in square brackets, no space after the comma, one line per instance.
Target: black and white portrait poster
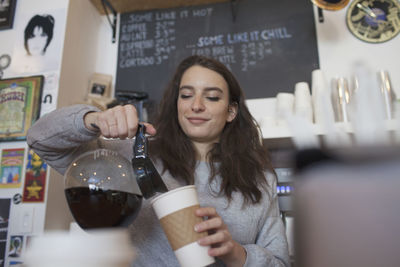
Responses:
[4,220]
[39,42]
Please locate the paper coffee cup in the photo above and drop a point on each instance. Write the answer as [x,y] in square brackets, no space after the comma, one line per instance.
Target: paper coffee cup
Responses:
[302,101]
[284,107]
[175,210]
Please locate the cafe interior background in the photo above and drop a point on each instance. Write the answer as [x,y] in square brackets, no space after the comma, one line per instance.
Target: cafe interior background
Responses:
[82,53]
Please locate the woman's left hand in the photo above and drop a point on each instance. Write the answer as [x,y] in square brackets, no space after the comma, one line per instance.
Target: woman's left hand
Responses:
[219,238]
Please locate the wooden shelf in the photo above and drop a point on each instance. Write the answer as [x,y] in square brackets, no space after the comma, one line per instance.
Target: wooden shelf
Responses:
[124,6]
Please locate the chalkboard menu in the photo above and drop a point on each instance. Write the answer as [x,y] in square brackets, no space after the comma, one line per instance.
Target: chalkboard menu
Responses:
[269,45]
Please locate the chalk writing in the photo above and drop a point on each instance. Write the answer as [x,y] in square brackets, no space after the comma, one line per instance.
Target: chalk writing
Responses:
[253,46]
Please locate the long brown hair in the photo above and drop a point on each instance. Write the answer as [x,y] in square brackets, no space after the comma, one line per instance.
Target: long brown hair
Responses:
[241,156]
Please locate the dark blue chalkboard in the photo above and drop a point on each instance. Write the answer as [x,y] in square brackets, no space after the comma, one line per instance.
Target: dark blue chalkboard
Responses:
[268,44]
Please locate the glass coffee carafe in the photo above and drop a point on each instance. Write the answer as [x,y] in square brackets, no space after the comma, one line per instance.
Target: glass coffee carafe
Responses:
[103,189]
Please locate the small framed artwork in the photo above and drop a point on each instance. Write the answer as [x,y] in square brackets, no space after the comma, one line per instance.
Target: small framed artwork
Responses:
[11,167]
[16,243]
[7,11]
[35,178]
[100,85]
[20,100]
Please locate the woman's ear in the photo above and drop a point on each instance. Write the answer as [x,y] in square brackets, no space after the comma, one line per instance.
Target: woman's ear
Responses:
[232,111]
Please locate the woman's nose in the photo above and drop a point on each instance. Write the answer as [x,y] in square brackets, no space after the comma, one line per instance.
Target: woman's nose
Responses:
[197,104]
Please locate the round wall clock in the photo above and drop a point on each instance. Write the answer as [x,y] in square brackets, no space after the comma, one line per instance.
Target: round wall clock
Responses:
[330,4]
[374,21]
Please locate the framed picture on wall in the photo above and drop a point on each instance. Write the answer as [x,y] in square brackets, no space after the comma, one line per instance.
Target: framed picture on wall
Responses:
[7,10]
[100,85]
[20,100]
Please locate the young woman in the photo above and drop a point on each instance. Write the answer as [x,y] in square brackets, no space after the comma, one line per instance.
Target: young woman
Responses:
[203,135]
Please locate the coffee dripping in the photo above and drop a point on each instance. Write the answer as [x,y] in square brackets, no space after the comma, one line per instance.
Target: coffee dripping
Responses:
[103,189]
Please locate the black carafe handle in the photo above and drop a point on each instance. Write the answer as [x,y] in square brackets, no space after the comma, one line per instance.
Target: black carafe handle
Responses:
[148,179]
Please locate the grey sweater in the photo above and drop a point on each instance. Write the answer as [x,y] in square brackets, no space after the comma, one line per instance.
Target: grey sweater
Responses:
[60,136]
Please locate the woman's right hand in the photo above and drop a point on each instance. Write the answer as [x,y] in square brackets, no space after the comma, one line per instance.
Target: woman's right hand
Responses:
[117,122]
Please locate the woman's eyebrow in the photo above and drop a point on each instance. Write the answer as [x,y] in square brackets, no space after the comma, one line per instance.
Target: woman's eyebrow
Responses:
[207,89]
[186,87]
[214,89]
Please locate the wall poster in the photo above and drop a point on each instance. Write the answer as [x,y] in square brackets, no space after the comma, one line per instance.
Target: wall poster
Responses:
[16,243]
[11,167]
[7,10]
[35,178]
[19,106]
[4,219]
[39,42]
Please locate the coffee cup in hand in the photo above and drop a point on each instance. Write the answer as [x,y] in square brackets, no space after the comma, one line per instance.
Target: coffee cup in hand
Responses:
[176,211]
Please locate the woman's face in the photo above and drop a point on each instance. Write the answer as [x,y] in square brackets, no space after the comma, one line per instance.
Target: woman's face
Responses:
[203,104]
[37,42]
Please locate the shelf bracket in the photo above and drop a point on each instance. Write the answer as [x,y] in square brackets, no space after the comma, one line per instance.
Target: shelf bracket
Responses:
[113,24]
[234,8]
[320,15]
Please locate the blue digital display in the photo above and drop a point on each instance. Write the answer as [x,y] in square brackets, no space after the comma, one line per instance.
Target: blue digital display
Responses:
[284,189]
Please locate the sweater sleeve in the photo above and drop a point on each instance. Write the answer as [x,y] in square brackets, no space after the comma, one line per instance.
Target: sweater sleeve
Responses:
[60,136]
[271,248]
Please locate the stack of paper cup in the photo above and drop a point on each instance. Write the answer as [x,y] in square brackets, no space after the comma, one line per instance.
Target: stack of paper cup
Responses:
[302,101]
[284,107]
[176,212]
[322,105]
[263,111]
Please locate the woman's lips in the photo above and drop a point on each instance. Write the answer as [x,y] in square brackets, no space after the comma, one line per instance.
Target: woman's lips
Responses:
[195,120]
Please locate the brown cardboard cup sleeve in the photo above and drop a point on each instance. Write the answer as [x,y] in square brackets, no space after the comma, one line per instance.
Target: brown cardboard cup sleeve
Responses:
[179,227]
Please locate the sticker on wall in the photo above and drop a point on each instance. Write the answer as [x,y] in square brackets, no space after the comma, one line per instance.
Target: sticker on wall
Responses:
[11,167]
[16,263]
[50,93]
[39,41]
[35,178]
[4,218]
[374,21]
[16,242]
[5,61]
[17,198]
